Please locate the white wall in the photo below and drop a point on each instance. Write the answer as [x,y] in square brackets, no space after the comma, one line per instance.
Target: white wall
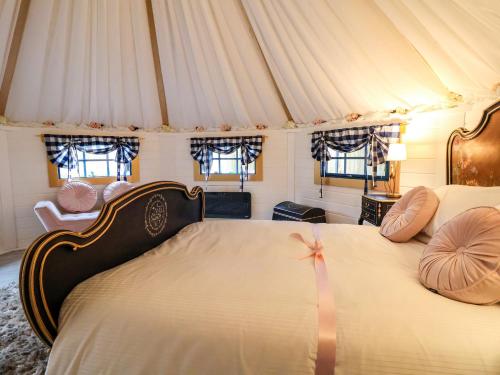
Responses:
[28,167]
[426,138]
[272,190]
[288,170]
[162,157]
[8,236]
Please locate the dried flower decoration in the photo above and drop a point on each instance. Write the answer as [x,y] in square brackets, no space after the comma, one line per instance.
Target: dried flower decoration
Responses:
[199,129]
[132,128]
[3,120]
[225,128]
[454,97]
[261,126]
[352,117]
[400,110]
[48,124]
[95,125]
[290,125]
[166,128]
[318,121]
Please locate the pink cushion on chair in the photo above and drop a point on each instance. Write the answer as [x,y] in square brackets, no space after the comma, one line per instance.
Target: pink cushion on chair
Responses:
[462,261]
[409,215]
[52,219]
[116,189]
[77,196]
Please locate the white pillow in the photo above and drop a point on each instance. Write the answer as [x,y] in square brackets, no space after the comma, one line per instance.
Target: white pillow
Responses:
[455,199]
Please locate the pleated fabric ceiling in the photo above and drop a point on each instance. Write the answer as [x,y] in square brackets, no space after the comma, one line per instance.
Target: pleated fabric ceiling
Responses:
[8,13]
[244,62]
[335,57]
[83,61]
[459,39]
[214,72]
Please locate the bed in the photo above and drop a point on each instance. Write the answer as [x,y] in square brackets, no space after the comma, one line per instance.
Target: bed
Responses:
[151,288]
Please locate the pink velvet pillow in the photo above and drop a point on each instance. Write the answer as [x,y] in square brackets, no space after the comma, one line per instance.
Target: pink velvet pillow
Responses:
[462,260]
[77,196]
[410,214]
[116,189]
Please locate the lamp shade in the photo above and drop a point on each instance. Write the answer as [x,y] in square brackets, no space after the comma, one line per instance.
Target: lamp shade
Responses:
[397,151]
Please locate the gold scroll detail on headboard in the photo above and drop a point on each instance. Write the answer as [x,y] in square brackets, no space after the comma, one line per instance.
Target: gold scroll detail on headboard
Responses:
[474,155]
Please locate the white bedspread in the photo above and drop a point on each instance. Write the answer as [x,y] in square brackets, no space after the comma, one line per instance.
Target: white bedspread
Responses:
[230,297]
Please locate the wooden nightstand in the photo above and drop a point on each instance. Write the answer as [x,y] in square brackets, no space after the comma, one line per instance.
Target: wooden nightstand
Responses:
[374,207]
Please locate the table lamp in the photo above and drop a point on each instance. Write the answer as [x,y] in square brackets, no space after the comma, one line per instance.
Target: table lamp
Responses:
[397,152]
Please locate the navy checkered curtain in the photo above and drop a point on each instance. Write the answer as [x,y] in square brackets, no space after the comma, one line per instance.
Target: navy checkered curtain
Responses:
[202,151]
[347,140]
[62,150]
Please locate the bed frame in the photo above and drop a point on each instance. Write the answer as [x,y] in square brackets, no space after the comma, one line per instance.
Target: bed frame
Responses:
[473,156]
[127,227]
[146,216]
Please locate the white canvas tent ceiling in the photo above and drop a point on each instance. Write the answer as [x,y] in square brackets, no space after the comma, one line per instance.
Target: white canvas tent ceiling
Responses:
[336,57]
[214,71]
[8,13]
[244,62]
[84,61]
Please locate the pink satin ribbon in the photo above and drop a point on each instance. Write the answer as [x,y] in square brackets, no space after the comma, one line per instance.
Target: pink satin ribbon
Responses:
[327,326]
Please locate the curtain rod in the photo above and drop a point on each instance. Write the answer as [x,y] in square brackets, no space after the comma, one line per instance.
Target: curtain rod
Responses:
[231,136]
[402,126]
[91,135]
[141,138]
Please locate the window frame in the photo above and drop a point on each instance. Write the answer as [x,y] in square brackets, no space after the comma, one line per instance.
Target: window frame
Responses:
[357,183]
[384,178]
[56,181]
[257,176]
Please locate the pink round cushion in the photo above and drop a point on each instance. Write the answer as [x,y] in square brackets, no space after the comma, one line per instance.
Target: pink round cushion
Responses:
[116,189]
[77,196]
[410,214]
[462,260]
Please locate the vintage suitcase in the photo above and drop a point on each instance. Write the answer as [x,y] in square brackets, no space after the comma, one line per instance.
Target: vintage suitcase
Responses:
[289,211]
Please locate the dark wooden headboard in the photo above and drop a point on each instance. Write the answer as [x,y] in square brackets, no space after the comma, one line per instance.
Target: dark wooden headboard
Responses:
[127,227]
[473,156]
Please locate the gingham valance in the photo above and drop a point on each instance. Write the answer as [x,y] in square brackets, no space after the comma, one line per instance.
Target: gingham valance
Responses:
[377,137]
[202,150]
[61,149]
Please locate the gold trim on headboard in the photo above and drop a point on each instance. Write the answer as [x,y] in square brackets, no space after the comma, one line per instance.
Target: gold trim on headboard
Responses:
[473,156]
[41,296]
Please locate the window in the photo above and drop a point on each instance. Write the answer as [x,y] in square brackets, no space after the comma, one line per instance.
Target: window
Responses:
[228,164]
[348,170]
[94,165]
[352,165]
[227,167]
[97,169]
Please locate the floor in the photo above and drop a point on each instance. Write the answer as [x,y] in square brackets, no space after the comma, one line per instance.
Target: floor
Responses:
[9,267]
